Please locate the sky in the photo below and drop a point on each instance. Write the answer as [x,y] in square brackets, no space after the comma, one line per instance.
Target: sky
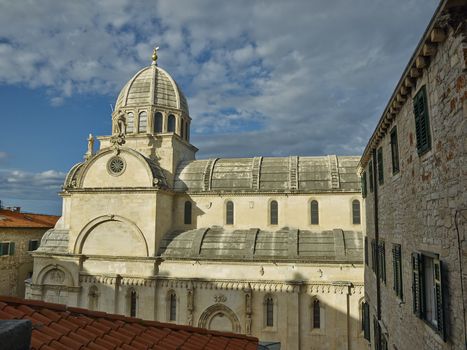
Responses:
[270,78]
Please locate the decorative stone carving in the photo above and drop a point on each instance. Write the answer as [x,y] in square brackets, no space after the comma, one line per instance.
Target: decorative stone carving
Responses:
[220,298]
[216,310]
[54,276]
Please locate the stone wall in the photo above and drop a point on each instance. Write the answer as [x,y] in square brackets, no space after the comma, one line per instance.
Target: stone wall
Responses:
[424,206]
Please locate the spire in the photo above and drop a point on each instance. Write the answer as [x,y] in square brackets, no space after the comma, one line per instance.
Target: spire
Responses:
[154,56]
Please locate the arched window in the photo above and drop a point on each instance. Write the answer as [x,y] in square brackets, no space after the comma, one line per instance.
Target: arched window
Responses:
[171,123]
[172,307]
[269,311]
[356,212]
[93,298]
[274,213]
[187,215]
[133,303]
[143,122]
[229,213]
[182,129]
[158,122]
[130,122]
[316,314]
[314,213]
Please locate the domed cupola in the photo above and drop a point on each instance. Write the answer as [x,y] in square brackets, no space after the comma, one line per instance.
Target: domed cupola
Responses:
[153,103]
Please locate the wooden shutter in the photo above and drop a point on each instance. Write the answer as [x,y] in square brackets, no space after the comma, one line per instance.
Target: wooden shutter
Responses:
[397,269]
[382,261]
[438,277]
[370,174]
[422,125]
[417,286]
[11,248]
[373,255]
[363,184]
[366,321]
[380,166]
[366,251]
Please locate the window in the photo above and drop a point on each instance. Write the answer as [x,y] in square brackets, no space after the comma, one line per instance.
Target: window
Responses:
[158,122]
[172,307]
[379,159]
[394,151]
[356,212]
[229,217]
[363,184]
[370,174]
[269,312]
[274,213]
[382,261]
[397,269]
[187,131]
[366,251]
[422,123]
[427,289]
[380,339]
[187,216]
[133,303]
[143,122]
[171,123]
[316,314]
[130,122]
[366,320]
[373,255]
[182,129]
[93,298]
[7,248]
[33,245]
[314,213]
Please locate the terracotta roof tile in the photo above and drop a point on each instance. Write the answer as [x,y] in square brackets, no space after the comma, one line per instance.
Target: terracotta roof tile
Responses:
[16,219]
[57,326]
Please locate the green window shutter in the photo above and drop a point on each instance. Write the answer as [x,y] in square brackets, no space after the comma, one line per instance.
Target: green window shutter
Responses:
[382,263]
[422,124]
[395,285]
[12,248]
[366,251]
[366,321]
[380,166]
[373,255]
[363,184]
[394,151]
[2,249]
[370,174]
[439,298]
[417,286]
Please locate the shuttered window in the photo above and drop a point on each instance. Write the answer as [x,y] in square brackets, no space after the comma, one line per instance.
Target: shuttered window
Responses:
[356,220]
[274,213]
[363,184]
[366,251]
[229,213]
[374,255]
[314,208]
[422,123]
[397,269]
[394,151]
[7,248]
[380,166]
[370,175]
[366,320]
[33,245]
[187,213]
[382,261]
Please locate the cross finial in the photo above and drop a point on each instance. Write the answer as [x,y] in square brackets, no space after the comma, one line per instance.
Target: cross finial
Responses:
[154,55]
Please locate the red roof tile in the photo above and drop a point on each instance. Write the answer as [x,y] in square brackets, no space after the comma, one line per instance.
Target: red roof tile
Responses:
[57,326]
[16,219]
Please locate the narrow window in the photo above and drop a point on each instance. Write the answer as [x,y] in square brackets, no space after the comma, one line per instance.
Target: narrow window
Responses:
[187,216]
[422,123]
[373,255]
[158,122]
[229,217]
[93,298]
[366,251]
[130,122]
[366,320]
[394,151]
[382,261]
[33,245]
[380,166]
[269,312]
[133,303]
[316,314]
[143,122]
[274,213]
[171,123]
[363,184]
[356,212]
[314,213]
[182,129]
[173,307]
[187,131]
[397,269]
[370,175]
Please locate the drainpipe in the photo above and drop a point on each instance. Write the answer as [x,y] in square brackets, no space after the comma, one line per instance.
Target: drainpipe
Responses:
[375,218]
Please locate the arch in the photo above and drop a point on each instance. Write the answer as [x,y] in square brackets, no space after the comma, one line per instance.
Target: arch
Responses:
[93,298]
[64,277]
[356,215]
[187,213]
[87,229]
[158,122]
[314,212]
[229,213]
[130,122]
[273,213]
[143,121]
[171,123]
[219,310]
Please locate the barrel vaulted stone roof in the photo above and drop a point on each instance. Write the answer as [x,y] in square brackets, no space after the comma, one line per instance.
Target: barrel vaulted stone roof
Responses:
[216,243]
[269,174]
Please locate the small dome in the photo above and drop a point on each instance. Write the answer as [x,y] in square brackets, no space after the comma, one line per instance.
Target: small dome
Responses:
[152,86]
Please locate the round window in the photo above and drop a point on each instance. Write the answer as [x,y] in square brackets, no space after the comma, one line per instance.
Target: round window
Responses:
[116,165]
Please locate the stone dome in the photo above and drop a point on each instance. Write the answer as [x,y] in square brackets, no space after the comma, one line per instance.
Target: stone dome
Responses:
[152,86]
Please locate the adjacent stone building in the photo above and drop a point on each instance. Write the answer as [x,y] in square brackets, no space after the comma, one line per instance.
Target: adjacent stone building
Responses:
[20,233]
[414,182]
[271,247]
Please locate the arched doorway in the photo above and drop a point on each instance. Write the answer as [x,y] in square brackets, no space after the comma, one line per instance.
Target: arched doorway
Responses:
[220,318]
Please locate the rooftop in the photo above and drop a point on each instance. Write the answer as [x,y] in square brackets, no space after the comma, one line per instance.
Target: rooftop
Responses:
[16,219]
[57,326]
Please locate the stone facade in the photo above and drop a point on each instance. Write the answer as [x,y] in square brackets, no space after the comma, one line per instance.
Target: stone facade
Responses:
[148,231]
[421,207]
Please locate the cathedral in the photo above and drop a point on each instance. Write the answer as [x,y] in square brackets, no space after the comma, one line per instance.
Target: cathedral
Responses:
[266,246]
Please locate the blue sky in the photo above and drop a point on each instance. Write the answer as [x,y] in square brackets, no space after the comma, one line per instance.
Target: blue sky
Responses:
[271,78]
